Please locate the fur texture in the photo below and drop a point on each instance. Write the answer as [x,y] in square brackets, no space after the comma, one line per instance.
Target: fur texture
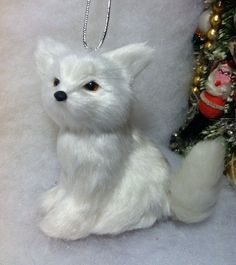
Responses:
[113,179]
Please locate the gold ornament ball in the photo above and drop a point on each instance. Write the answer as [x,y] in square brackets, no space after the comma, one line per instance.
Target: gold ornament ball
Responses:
[199,69]
[211,34]
[195,90]
[218,7]
[196,80]
[215,20]
[208,45]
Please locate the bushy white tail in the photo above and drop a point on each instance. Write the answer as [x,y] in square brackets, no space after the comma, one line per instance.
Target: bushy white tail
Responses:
[194,190]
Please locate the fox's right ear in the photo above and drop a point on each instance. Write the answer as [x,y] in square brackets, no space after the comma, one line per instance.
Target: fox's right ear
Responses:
[133,57]
[46,53]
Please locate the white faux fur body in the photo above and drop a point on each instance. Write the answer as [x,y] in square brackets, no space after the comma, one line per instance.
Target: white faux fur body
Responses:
[112,178]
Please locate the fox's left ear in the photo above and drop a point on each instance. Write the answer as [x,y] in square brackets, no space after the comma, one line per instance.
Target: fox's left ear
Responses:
[46,53]
[134,57]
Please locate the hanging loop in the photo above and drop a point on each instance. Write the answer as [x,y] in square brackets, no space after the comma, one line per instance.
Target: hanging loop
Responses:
[85,27]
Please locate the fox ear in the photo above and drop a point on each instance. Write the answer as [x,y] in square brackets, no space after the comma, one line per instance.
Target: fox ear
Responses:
[46,53]
[133,57]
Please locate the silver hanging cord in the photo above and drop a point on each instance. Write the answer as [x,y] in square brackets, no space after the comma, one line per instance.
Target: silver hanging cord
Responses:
[86,25]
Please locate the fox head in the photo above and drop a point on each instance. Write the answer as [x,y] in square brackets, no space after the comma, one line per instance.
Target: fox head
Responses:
[91,91]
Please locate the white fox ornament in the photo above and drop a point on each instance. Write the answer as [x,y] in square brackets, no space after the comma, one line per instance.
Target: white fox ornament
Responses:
[113,179]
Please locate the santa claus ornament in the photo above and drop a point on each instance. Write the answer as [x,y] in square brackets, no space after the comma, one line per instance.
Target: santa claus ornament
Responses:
[218,87]
[212,98]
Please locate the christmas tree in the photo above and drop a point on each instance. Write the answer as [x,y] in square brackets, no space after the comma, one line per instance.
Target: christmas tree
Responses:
[212,99]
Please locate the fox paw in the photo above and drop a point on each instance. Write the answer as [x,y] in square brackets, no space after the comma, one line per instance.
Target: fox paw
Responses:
[64,221]
[50,198]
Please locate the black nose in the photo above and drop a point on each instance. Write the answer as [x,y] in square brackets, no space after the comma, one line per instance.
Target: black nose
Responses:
[60,96]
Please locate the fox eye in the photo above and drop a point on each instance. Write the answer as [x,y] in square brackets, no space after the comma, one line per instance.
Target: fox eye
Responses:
[91,86]
[56,81]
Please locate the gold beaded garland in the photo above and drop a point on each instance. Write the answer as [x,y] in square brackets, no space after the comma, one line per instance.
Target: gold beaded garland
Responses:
[199,69]
[195,90]
[196,80]
[208,45]
[211,34]
[215,20]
